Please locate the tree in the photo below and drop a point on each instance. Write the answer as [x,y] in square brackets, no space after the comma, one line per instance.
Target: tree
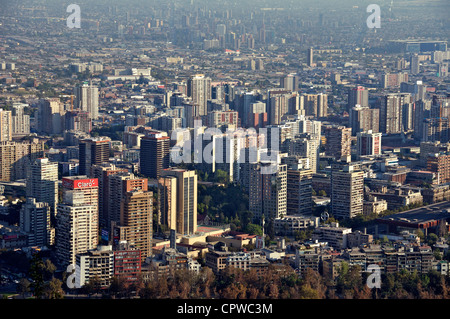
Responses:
[93,286]
[254,229]
[49,269]
[432,238]
[23,287]
[322,193]
[117,286]
[36,273]
[53,289]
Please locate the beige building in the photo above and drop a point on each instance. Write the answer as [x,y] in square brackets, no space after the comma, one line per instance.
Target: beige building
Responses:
[182,212]
[136,218]
[347,192]
[76,229]
[15,158]
[5,125]
[42,182]
[96,263]
[334,235]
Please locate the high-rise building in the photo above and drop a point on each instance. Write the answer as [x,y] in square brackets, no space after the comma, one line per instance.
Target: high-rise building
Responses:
[316,104]
[368,143]
[391,112]
[49,116]
[35,222]
[86,99]
[299,191]
[289,82]
[167,202]
[338,141]
[435,130]
[390,80]
[347,192]
[278,105]
[42,182]
[77,219]
[306,145]
[93,151]
[258,115]
[81,184]
[20,120]
[199,89]
[178,200]
[310,57]
[417,89]
[414,64]
[439,164]
[136,218]
[421,112]
[103,172]
[6,129]
[222,118]
[358,96]
[267,190]
[154,154]
[363,118]
[16,157]
[78,121]
[118,185]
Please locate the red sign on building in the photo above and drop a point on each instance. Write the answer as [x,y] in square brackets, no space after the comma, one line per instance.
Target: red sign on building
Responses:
[79,183]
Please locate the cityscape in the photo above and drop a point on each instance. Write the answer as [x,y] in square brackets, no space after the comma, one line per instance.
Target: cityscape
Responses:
[202,150]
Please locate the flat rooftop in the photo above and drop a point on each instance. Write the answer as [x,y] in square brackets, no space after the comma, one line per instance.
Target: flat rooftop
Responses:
[422,217]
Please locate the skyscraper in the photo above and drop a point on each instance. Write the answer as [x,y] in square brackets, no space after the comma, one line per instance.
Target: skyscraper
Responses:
[93,151]
[267,191]
[199,89]
[20,120]
[414,64]
[86,99]
[368,143]
[154,154]
[308,146]
[103,172]
[310,57]
[358,96]
[15,158]
[49,116]
[347,192]
[277,105]
[363,118]
[6,129]
[299,191]
[42,182]
[338,141]
[181,213]
[77,219]
[316,104]
[35,221]
[391,112]
[136,215]
[289,82]
[117,186]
